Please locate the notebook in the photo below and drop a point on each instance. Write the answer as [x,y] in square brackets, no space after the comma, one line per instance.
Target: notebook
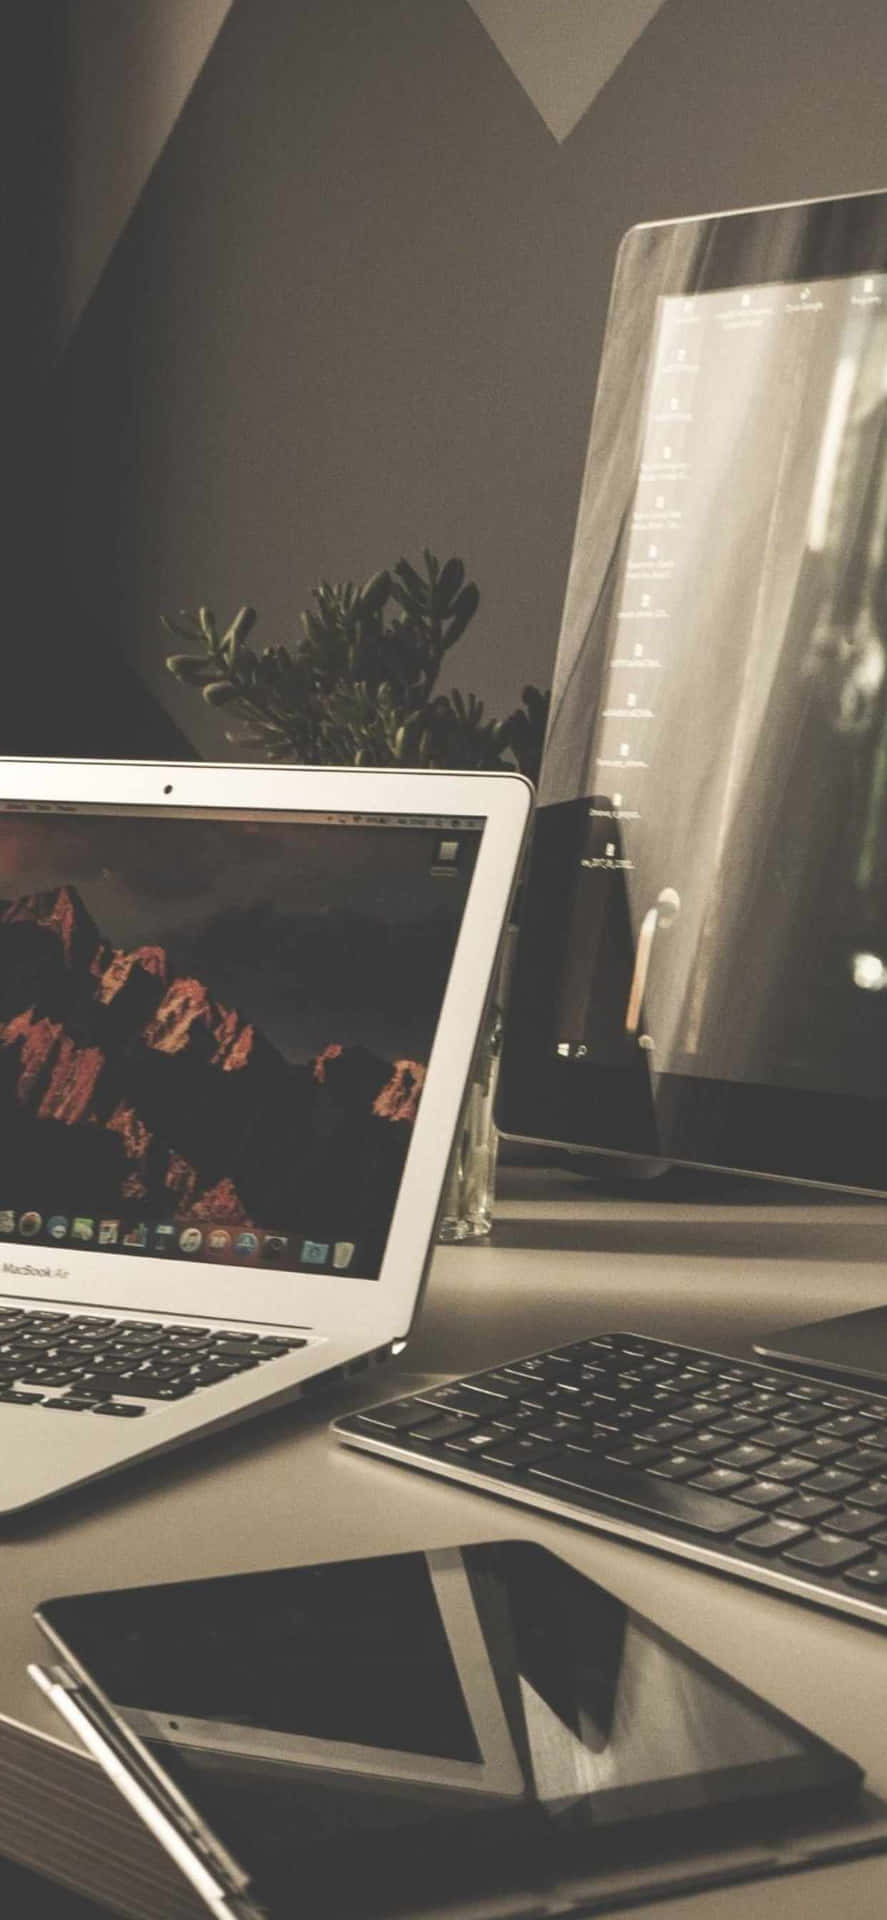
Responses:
[463,1733]
[238,1012]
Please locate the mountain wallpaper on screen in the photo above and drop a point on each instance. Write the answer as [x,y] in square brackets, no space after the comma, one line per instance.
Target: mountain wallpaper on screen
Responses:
[127,1088]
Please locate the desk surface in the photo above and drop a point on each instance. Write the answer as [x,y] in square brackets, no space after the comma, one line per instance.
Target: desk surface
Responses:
[280,1491]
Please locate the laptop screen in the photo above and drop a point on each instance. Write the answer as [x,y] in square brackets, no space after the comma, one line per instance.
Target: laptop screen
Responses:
[214,1031]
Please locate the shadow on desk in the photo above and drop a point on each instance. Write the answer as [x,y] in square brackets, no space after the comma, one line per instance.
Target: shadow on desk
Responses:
[29,1894]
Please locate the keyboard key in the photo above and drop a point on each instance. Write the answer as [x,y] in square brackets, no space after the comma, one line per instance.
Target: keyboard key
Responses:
[532,1369]
[781,1438]
[635,1454]
[821,1446]
[676,1466]
[872,1574]
[393,1418]
[739,1426]
[761,1493]
[642,1496]
[800,1414]
[719,1480]
[695,1414]
[126,1342]
[873,1495]
[825,1554]
[788,1469]
[772,1404]
[729,1391]
[748,1456]
[773,1535]
[445,1427]
[867,1460]
[502,1385]
[833,1480]
[808,1507]
[158,1389]
[16,1396]
[847,1426]
[851,1521]
[646,1406]
[120,1410]
[667,1433]
[50,1376]
[564,1431]
[474,1441]
[522,1451]
[276,1344]
[702,1442]
[603,1397]
[207,1373]
[722,1393]
[460,1399]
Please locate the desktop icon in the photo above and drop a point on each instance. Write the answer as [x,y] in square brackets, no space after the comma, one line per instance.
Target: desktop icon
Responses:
[218,1240]
[109,1233]
[274,1246]
[57,1226]
[343,1254]
[446,857]
[82,1227]
[7,1220]
[136,1236]
[164,1237]
[315,1253]
[190,1239]
[246,1244]
[30,1223]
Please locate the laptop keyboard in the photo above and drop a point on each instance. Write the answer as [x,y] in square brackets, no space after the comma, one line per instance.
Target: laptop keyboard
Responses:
[776,1476]
[92,1363]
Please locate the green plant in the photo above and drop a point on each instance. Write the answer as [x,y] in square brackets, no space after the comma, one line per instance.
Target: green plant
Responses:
[358,689]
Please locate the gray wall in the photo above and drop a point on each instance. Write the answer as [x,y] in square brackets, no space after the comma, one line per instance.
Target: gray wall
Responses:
[127,71]
[358,307]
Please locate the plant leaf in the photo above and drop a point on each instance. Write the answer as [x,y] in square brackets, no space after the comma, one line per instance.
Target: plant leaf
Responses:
[463,609]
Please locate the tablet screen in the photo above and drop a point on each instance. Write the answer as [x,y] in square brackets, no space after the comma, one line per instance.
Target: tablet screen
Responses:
[701,974]
[392,1733]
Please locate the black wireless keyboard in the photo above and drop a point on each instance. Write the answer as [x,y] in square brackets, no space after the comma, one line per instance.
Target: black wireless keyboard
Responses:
[775,1476]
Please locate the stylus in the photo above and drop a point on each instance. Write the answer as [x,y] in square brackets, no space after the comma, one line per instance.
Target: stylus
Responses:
[85,1719]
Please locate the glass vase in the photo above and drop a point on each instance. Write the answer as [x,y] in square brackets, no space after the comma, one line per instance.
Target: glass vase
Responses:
[471,1181]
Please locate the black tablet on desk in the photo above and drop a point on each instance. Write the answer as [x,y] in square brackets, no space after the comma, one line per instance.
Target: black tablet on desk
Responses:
[467,1731]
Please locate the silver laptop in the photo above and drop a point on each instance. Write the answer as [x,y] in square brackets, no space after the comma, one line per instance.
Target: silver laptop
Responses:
[238,1011]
